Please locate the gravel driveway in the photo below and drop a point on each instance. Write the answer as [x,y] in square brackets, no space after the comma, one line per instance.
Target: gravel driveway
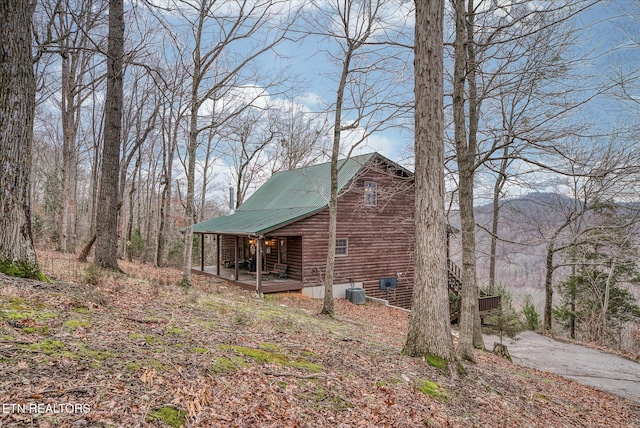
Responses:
[587,366]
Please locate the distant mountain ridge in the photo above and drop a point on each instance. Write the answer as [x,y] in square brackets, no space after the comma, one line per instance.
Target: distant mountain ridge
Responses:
[524,223]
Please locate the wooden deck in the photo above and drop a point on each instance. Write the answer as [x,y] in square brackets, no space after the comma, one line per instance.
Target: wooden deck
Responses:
[247,280]
[486,303]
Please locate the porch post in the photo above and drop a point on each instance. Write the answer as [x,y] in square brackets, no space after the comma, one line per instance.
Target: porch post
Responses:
[236,252]
[218,255]
[258,264]
[202,252]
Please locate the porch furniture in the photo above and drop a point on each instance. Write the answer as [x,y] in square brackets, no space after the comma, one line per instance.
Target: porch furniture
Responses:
[279,270]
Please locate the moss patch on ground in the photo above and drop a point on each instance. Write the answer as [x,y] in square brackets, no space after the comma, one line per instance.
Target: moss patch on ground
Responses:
[19,309]
[44,330]
[224,365]
[388,382]
[158,365]
[53,348]
[169,415]
[74,324]
[152,340]
[432,389]
[132,366]
[273,356]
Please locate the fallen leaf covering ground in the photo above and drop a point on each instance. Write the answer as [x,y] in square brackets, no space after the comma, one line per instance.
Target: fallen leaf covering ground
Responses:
[136,350]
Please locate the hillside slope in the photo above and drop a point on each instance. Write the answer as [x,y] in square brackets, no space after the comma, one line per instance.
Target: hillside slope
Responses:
[136,350]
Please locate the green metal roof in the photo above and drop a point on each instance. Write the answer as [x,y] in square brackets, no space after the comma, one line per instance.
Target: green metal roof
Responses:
[285,197]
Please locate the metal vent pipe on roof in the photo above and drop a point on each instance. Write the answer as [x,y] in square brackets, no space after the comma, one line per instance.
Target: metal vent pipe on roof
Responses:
[232,202]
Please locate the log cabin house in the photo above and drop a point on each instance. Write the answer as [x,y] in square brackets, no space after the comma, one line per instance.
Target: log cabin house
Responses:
[277,240]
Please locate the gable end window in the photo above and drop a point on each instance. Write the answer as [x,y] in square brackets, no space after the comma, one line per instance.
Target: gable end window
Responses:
[370,193]
[342,247]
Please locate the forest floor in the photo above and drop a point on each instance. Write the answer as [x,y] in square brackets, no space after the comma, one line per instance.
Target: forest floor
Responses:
[102,350]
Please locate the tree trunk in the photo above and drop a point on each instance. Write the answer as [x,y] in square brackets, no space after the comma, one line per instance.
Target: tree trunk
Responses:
[429,328]
[501,350]
[205,169]
[132,191]
[84,253]
[327,307]
[168,148]
[605,303]
[190,199]
[497,193]
[165,207]
[107,226]
[69,109]
[572,319]
[548,286]
[474,119]
[95,180]
[464,71]
[17,105]
[160,259]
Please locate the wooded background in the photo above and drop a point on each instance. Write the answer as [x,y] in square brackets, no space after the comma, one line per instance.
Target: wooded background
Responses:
[537,98]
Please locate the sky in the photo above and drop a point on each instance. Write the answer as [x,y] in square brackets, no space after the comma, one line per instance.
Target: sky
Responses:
[607,33]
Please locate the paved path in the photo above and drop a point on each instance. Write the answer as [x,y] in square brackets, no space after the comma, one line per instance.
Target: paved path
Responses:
[587,366]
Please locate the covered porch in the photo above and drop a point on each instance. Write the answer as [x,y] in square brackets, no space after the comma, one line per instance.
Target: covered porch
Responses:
[267,264]
[248,280]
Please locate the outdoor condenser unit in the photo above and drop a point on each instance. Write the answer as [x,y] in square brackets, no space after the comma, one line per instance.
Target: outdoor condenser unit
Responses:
[356,295]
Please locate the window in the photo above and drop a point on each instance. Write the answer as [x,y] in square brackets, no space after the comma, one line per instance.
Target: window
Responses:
[370,193]
[342,247]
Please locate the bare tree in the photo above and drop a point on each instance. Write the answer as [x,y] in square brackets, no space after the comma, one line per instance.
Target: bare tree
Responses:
[17,105]
[172,114]
[108,202]
[96,137]
[561,222]
[208,173]
[429,330]
[248,136]
[141,113]
[596,298]
[466,149]
[73,27]
[503,58]
[301,139]
[367,91]
[216,66]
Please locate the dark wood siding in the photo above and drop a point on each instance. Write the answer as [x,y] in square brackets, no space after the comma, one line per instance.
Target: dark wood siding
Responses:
[380,238]
[271,256]
[227,247]
[294,257]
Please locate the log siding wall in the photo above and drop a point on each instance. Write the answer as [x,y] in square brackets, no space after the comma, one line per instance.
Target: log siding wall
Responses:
[381,237]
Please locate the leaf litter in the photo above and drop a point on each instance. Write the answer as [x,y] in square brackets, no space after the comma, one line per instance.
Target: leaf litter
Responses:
[218,356]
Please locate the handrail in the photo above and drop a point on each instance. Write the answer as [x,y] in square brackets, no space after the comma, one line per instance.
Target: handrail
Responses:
[454,281]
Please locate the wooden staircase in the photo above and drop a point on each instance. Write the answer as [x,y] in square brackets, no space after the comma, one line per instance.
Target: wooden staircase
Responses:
[454,282]
[486,302]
